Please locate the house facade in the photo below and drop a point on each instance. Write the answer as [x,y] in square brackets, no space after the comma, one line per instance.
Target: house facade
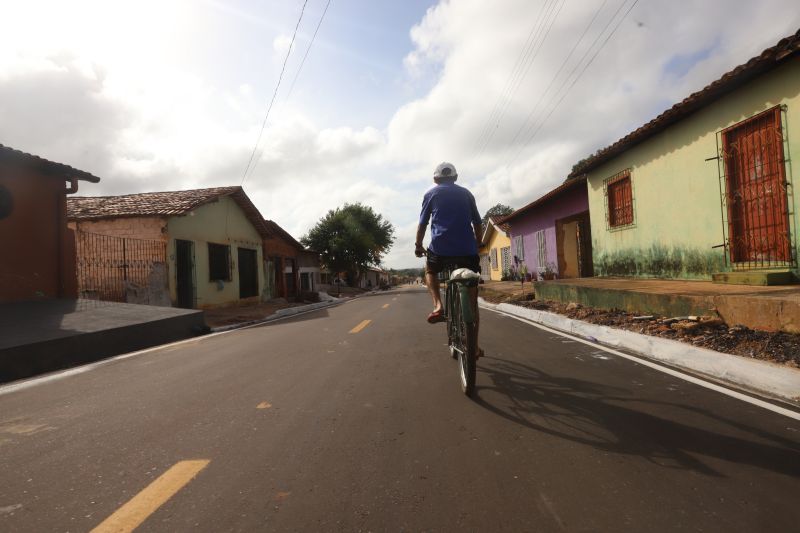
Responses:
[198,248]
[282,252]
[39,258]
[551,236]
[495,250]
[309,271]
[373,278]
[706,189]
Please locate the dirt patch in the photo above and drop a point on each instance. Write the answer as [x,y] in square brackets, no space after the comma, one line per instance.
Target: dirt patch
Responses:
[345,292]
[236,315]
[704,331]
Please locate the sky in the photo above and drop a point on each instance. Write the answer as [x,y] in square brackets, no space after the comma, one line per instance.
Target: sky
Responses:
[172,94]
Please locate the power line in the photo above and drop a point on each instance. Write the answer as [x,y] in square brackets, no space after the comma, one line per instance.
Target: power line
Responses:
[532,36]
[274,94]
[303,62]
[522,77]
[564,63]
[575,68]
[527,56]
[575,80]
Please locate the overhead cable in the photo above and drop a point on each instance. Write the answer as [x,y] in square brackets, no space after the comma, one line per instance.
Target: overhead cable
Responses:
[303,62]
[274,94]
[575,80]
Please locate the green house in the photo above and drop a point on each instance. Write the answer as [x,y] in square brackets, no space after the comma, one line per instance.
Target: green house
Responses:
[706,190]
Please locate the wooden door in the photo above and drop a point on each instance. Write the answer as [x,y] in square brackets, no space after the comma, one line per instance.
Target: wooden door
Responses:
[248,273]
[184,272]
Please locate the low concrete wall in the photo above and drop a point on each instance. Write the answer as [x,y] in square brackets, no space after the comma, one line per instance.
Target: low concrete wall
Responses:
[768,313]
[69,349]
[634,302]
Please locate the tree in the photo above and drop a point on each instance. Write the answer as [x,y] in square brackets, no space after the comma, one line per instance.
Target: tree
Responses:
[499,210]
[350,238]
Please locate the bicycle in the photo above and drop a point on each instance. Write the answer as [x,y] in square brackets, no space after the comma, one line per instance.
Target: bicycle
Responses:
[462,322]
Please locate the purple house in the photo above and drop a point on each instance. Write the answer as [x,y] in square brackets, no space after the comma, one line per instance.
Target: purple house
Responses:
[552,235]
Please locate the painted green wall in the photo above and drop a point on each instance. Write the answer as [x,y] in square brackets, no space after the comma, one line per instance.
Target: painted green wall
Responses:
[676,193]
[220,222]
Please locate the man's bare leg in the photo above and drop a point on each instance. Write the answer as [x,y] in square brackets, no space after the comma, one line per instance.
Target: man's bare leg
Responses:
[433,288]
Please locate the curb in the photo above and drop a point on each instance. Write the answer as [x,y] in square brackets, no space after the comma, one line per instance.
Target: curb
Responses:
[279,314]
[759,376]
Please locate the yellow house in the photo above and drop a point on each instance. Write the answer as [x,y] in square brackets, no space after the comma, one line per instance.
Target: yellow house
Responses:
[198,248]
[495,250]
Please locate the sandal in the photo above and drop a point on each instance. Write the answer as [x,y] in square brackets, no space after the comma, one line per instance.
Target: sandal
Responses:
[436,316]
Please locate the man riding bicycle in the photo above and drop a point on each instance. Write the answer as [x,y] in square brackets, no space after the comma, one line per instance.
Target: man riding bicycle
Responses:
[456,230]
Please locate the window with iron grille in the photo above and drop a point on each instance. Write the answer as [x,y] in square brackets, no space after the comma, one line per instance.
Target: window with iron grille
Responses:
[619,199]
[541,248]
[519,249]
[494,258]
[505,255]
[219,261]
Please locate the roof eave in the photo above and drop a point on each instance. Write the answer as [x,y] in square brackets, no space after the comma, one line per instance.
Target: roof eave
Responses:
[740,75]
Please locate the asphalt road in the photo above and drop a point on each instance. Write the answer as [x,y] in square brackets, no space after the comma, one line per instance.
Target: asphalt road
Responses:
[301,425]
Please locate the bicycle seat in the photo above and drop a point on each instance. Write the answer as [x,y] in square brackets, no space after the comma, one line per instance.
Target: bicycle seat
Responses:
[464,274]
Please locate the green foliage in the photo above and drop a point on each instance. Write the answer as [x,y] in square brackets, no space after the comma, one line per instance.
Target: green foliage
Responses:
[498,210]
[350,238]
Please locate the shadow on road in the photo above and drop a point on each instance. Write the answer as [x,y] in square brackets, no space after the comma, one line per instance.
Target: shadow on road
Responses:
[613,420]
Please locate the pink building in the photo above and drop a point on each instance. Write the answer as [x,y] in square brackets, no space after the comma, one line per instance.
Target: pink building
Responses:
[552,234]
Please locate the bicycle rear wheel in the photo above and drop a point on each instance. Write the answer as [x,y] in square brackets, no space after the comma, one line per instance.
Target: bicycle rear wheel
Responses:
[467,349]
[467,360]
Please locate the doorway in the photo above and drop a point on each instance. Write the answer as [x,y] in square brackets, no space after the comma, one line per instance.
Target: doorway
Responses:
[574,246]
[184,272]
[248,273]
[758,221]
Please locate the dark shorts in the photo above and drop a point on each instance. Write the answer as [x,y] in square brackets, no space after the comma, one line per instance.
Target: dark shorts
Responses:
[436,263]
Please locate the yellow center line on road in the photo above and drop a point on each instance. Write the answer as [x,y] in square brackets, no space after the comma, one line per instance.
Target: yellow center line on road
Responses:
[385,306]
[132,514]
[361,326]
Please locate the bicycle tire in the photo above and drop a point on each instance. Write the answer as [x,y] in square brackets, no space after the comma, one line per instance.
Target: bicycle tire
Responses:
[467,342]
[467,360]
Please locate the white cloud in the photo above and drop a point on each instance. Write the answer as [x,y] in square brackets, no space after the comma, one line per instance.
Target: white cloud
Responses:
[281,44]
[146,114]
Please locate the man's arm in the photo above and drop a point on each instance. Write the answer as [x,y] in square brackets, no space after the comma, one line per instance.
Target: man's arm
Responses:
[418,248]
[478,233]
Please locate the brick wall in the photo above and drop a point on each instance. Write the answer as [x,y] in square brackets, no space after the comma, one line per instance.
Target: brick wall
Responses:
[133,227]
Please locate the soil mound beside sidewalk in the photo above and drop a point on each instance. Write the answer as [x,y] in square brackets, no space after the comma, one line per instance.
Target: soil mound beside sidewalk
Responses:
[706,332]
[225,316]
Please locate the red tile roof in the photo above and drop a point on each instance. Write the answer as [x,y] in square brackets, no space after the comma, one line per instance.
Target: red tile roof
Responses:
[497,221]
[161,204]
[768,59]
[569,184]
[48,167]
[278,231]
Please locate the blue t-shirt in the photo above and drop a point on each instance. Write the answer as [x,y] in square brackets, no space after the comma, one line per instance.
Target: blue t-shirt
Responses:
[453,211]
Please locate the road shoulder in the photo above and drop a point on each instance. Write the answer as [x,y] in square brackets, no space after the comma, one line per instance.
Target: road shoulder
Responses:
[769,379]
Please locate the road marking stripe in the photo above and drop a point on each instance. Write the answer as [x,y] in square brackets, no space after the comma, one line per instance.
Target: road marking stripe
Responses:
[385,306]
[361,326]
[132,514]
[675,373]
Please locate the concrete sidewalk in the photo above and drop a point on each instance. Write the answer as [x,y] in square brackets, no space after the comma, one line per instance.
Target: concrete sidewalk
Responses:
[46,335]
